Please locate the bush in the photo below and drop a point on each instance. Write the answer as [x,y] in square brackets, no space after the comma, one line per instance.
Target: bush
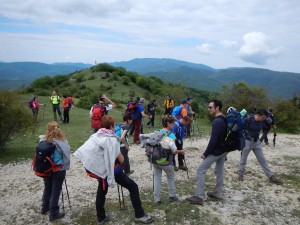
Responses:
[14,117]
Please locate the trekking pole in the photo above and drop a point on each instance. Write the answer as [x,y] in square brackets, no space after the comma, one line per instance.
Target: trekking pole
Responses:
[68,193]
[119,196]
[187,171]
[62,199]
[123,198]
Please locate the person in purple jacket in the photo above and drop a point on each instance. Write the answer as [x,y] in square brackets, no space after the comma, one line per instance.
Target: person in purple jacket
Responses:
[214,153]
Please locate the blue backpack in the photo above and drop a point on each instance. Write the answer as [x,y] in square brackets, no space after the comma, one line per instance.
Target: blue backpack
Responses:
[234,139]
[177,112]
[118,130]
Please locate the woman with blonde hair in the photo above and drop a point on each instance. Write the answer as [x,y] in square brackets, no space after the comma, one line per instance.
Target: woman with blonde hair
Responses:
[53,183]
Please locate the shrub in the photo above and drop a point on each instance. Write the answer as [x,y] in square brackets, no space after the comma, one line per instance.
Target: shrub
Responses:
[14,117]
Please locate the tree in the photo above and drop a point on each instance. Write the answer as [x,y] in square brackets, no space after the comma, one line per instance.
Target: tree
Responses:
[14,117]
[243,96]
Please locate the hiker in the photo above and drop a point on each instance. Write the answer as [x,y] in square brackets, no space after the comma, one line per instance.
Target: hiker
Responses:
[53,183]
[191,114]
[168,124]
[267,124]
[214,153]
[34,105]
[99,110]
[151,110]
[180,110]
[253,125]
[169,105]
[101,155]
[124,146]
[179,131]
[55,101]
[67,105]
[137,118]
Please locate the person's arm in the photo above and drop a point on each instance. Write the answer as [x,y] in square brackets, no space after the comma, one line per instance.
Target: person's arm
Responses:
[91,112]
[215,132]
[145,115]
[110,101]
[123,138]
[120,158]
[181,152]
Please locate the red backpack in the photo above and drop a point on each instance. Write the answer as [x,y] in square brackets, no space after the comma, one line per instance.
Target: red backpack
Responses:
[98,112]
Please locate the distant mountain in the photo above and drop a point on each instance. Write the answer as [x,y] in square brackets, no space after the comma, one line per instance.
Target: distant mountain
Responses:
[16,74]
[276,84]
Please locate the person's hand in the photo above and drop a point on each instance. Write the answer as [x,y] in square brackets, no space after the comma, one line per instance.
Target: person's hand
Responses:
[182,152]
[202,156]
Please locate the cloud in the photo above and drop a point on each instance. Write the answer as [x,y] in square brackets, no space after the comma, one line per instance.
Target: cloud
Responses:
[204,49]
[256,48]
[228,44]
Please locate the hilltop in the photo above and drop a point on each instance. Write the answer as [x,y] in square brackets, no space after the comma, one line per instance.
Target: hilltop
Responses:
[276,84]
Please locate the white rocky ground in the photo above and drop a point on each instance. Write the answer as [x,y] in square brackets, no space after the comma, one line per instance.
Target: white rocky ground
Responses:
[253,201]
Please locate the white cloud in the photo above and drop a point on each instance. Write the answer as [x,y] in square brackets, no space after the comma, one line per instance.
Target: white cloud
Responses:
[228,43]
[256,48]
[204,49]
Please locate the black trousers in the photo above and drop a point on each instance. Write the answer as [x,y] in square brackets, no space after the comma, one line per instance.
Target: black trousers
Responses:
[66,116]
[125,182]
[179,146]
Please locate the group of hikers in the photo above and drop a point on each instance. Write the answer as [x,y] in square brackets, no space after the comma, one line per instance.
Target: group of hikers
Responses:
[105,154]
[55,101]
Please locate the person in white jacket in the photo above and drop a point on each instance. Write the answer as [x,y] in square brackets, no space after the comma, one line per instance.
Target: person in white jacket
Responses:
[101,155]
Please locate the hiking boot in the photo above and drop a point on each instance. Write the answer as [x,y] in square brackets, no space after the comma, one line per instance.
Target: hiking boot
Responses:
[44,211]
[158,202]
[173,199]
[145,219]
[104,220]
[241,177]
[176,168]
[195,200]
[213,195]
[275,180]
[184,168]
[56,217]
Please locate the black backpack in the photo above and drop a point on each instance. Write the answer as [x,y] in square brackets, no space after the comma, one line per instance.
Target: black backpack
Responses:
[42,164]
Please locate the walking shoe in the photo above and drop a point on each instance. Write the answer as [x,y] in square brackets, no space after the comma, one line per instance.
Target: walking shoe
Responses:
[56,217]
[176,168]
[195,200]
[241,177]
[44,211]
[184,168]
[173,199]
[213,195]
[145,219]
[275,180]
[104,220]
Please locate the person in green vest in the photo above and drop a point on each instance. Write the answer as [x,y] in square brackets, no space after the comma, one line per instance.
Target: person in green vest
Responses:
[55,101]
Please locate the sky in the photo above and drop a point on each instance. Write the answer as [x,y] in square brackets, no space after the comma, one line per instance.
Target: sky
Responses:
[217,33]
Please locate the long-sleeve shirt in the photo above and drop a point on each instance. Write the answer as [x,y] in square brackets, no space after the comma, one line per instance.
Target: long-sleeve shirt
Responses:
[217,138]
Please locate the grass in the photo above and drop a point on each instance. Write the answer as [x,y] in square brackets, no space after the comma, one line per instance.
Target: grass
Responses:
[22,146]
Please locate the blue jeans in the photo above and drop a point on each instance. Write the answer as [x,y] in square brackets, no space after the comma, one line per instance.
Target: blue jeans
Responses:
[53,186]
[125,182]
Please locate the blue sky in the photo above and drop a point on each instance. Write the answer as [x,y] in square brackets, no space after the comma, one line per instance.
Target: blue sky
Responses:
[217,33]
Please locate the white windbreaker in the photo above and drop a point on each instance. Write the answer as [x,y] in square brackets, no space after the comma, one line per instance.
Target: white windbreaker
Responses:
[98,154]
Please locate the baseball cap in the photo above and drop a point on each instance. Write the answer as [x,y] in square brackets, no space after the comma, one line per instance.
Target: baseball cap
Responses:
[142,100]
[189,98]
[183,102]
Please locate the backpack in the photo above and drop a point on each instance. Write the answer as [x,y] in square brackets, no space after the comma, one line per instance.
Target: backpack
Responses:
[30,104]
[155,152]
[118,130]
[42,164]
[177,112]
[98,112]
[234,139]
[132,108]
